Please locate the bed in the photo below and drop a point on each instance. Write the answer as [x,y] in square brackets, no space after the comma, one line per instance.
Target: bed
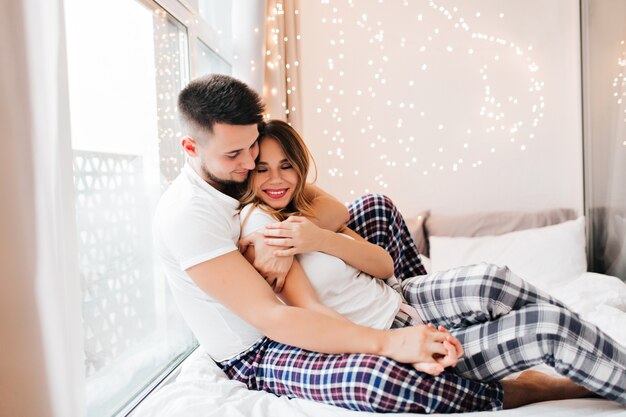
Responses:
[547,248]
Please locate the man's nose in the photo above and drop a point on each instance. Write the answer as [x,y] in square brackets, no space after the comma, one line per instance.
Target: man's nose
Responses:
[248,162]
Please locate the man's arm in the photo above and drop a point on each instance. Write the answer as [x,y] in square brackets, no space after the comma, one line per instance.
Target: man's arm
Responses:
[329,213]
[234,283]
[299,292]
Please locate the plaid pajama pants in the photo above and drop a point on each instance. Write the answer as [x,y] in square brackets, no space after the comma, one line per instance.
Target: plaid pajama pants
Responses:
[377,219]
[363,382]
[360,382]
[505,324]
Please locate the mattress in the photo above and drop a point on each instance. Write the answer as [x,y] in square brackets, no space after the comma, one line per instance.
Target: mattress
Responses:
[200,388]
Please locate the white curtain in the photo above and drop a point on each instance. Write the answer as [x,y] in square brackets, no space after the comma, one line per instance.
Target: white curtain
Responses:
[604,107]
[41,360]
[281,91]
[22,371]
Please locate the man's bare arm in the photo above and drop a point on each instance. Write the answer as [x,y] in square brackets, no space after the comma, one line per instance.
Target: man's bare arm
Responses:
[234,283]
[299,292]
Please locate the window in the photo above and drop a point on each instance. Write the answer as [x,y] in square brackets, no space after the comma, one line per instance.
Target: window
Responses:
[209,61]
[127,61]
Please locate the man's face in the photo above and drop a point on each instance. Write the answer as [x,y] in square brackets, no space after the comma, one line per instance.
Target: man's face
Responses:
[227,155]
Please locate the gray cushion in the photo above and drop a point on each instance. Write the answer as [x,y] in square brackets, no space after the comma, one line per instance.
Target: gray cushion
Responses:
[487,223]
[416,227]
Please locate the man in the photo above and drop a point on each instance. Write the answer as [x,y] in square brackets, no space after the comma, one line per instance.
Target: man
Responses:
[234,312]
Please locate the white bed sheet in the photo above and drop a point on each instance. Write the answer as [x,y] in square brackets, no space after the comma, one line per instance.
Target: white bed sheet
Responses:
[202,390]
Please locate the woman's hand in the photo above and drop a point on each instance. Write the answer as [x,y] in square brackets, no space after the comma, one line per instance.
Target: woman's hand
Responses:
[437,367]
[422,346]
[295,235]
[434,348]
[451,339]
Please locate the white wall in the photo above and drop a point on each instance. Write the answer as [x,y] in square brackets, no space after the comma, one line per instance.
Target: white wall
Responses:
[449,105]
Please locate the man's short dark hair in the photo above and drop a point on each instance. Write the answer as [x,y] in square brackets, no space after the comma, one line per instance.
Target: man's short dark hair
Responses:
[218,98]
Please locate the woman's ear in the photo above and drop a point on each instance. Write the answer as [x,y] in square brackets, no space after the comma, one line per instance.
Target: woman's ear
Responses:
[189,146]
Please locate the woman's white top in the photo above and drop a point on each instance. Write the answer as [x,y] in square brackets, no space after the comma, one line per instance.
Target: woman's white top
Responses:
[357,296]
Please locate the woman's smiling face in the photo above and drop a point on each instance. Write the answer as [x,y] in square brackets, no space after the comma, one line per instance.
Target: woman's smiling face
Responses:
[274,179]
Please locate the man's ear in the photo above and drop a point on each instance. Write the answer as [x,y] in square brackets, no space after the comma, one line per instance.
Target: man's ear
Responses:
[189,146]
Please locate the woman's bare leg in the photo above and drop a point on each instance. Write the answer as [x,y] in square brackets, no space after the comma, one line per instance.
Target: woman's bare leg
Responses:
[534,386]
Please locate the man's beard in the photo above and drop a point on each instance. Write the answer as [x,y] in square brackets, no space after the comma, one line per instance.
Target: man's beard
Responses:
[231,188]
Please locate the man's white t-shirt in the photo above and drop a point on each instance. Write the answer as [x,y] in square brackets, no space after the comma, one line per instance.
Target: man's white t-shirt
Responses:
[195,223]
[352,293]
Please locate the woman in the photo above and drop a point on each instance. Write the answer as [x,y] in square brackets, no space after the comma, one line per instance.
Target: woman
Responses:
[504,324]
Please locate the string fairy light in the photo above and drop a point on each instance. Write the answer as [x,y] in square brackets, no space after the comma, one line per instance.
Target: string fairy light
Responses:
[503,119]
[496,113]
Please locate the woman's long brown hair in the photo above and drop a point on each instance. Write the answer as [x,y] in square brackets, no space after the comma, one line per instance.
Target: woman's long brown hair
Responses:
[299,157]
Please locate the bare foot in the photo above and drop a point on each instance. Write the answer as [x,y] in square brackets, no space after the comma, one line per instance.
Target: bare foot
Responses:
[534,386]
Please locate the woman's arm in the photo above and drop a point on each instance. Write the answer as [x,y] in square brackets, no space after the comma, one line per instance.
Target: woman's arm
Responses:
[297,290]
[300,235]
[330,215]
[328,212]
[361,254]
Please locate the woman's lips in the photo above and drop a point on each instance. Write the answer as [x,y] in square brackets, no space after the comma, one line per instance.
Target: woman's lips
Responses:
[276,193]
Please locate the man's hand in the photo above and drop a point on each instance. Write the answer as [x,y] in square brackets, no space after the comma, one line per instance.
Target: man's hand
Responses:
[295,235]
[426,348]
[274,269]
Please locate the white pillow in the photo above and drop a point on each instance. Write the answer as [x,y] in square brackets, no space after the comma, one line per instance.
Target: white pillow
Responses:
[546,257]
[426,262]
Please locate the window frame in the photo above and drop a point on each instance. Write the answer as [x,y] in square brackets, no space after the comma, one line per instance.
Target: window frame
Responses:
[187,13]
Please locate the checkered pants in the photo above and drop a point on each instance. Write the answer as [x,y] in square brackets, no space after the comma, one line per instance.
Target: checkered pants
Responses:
[505,324]
[377,219]
[363,382]
[359,382]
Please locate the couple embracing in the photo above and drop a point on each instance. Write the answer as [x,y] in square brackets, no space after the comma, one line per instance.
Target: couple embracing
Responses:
[292,293]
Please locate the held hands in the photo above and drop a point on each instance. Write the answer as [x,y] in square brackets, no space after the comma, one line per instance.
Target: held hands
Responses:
[428,349]
[451,339]
[295,235]
[454,352]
